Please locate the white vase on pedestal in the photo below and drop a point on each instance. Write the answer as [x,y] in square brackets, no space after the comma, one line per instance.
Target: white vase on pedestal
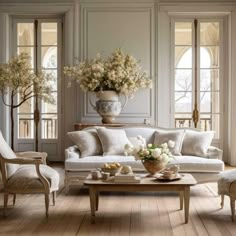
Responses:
[108,105]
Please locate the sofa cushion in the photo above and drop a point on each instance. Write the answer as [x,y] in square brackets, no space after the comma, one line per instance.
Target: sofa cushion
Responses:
[197,164]
[197,143]
[113,141]
[93,162]
[163,136]
[87,142]
[187,163]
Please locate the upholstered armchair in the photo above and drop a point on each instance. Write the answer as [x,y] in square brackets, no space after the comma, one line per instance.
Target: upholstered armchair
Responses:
[26,173]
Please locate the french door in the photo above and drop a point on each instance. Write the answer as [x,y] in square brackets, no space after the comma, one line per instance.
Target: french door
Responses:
[197,71]
[41,39]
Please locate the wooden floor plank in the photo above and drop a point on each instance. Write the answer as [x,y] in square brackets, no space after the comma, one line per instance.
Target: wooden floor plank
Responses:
[120,214]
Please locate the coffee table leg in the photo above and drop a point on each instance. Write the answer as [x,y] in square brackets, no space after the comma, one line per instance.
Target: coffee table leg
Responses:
[186,203]
[181,199]
[97,200]
[92,195]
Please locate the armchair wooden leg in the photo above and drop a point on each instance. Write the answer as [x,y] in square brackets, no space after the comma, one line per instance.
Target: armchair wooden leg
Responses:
[232,206]
[222,201]
[14,199]
[47,197]
[5,203]
[54,196]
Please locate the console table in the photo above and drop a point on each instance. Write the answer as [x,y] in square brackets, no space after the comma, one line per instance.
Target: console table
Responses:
[81,126]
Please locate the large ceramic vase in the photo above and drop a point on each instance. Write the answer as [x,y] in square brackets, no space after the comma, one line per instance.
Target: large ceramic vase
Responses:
[108,105]
[153,166]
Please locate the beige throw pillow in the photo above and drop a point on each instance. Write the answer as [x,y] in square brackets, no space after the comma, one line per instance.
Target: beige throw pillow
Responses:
[113,141]
[163,136]
[197,143]
[87,142]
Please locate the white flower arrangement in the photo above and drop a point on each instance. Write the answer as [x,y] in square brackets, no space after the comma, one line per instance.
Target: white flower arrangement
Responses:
[120,73]
[151,151]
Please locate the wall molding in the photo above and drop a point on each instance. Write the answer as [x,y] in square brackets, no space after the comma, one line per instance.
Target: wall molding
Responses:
[89,8]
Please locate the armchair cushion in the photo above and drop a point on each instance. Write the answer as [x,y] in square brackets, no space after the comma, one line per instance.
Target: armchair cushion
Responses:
[26,178]
[7,152]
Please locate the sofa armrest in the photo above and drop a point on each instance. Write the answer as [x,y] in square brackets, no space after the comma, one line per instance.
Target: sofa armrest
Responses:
[214,153]
[72,151]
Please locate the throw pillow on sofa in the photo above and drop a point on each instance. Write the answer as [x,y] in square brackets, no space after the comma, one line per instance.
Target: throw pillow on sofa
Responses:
[87,142]
[137,142]
[163,136]
[113,141]
[197,143]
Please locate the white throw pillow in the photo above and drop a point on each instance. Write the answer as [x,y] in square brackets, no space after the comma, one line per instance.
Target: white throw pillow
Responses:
[113,141]
[137,142]
[87,142]
[197,143]
[163,136]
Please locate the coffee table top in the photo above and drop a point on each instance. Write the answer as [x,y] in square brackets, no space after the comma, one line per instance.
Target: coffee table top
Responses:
[186,179]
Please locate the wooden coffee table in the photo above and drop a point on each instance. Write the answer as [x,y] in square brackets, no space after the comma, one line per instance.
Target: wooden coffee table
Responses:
[146,184]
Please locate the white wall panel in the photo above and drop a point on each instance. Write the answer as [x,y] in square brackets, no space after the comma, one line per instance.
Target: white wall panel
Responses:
[130,28]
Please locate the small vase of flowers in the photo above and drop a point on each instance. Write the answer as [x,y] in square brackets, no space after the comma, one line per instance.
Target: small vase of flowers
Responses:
[154,157]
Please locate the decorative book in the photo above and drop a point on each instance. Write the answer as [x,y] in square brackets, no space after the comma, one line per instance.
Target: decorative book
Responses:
[126,178]
[135,180]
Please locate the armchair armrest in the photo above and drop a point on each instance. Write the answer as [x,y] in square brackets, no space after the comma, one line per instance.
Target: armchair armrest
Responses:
[23,161]
[214,153]
[26,161]
[33,155]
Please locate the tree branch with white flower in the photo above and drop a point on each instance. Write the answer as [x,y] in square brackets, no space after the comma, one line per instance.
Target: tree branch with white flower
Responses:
[120,72]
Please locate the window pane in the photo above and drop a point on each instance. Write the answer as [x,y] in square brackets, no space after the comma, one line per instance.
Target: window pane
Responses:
[53,82]
[26,126]
[183,80]
[49,57]
[210,102]
[49,33]
[209,80]
[25,34]
[29,51]
[50,108]
[183,33]
[216,125]
[215,98]
[209,57]
[27,106]
[209,33]
[183,57]
[49,126]
[183,101]
[205,102]
[183,120]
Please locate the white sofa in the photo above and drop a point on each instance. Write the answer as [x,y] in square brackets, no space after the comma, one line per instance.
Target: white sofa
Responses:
[204,169]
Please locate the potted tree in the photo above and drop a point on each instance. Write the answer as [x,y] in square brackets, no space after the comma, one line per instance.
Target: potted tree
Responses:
[18,79]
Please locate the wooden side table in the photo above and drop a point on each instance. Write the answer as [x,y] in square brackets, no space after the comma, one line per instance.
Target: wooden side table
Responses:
[81,126]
